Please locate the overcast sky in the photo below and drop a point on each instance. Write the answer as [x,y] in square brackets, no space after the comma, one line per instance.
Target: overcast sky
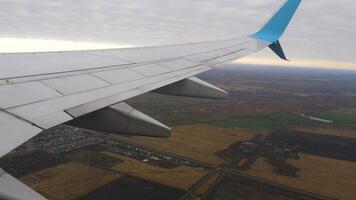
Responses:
[321,30]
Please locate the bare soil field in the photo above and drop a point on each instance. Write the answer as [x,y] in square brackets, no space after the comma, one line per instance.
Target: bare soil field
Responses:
[94,159]
[328,131]
[129,187]
[342,148]
[181,177]
[68,181]
[197,141]
[329,177]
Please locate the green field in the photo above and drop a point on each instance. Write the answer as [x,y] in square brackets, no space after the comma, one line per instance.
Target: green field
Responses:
[271,122]
[340,119]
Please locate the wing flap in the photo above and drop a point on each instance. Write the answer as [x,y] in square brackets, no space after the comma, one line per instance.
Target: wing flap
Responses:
[12,189]
[75,84]
[118,76]
[24,93]
[14,132]
[51,119]
[150,69]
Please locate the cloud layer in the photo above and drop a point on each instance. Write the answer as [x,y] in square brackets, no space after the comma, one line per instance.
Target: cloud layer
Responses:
[321,29]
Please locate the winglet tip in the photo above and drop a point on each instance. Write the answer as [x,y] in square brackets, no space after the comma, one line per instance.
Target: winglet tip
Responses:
[278,50]
[278,23]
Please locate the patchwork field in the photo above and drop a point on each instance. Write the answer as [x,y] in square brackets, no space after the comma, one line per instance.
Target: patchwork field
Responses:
[263,100]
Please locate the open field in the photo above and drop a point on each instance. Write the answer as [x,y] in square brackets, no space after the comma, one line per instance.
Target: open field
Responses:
[130,187]
[26,163]
[342,148]
[68,181]
[94,159]
[181,177]
[197,141]
[329,177]
[271,122]
[341,119]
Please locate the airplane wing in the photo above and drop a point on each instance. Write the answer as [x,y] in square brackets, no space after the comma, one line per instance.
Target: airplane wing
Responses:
[42,90]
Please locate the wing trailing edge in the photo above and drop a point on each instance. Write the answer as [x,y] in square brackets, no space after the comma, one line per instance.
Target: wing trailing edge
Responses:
[12,189]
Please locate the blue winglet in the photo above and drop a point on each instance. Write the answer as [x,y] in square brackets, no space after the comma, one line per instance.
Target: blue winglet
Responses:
[276,26]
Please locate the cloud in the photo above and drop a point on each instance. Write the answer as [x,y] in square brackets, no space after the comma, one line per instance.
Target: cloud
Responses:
[13,45]
[321,29]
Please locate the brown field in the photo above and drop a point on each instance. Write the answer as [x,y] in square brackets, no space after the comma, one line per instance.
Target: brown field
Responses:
[68,181]
[329,177]
[329,131]
[181,177]
[196,141]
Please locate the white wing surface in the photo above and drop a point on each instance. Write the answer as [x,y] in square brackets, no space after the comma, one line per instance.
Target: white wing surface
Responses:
[41,90]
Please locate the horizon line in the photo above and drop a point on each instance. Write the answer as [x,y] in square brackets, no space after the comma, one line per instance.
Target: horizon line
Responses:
[26,45]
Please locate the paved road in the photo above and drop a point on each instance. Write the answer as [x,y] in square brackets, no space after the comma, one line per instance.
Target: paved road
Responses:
[198,184]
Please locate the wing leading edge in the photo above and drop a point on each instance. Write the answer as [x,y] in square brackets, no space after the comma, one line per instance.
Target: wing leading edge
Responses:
[41,90]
